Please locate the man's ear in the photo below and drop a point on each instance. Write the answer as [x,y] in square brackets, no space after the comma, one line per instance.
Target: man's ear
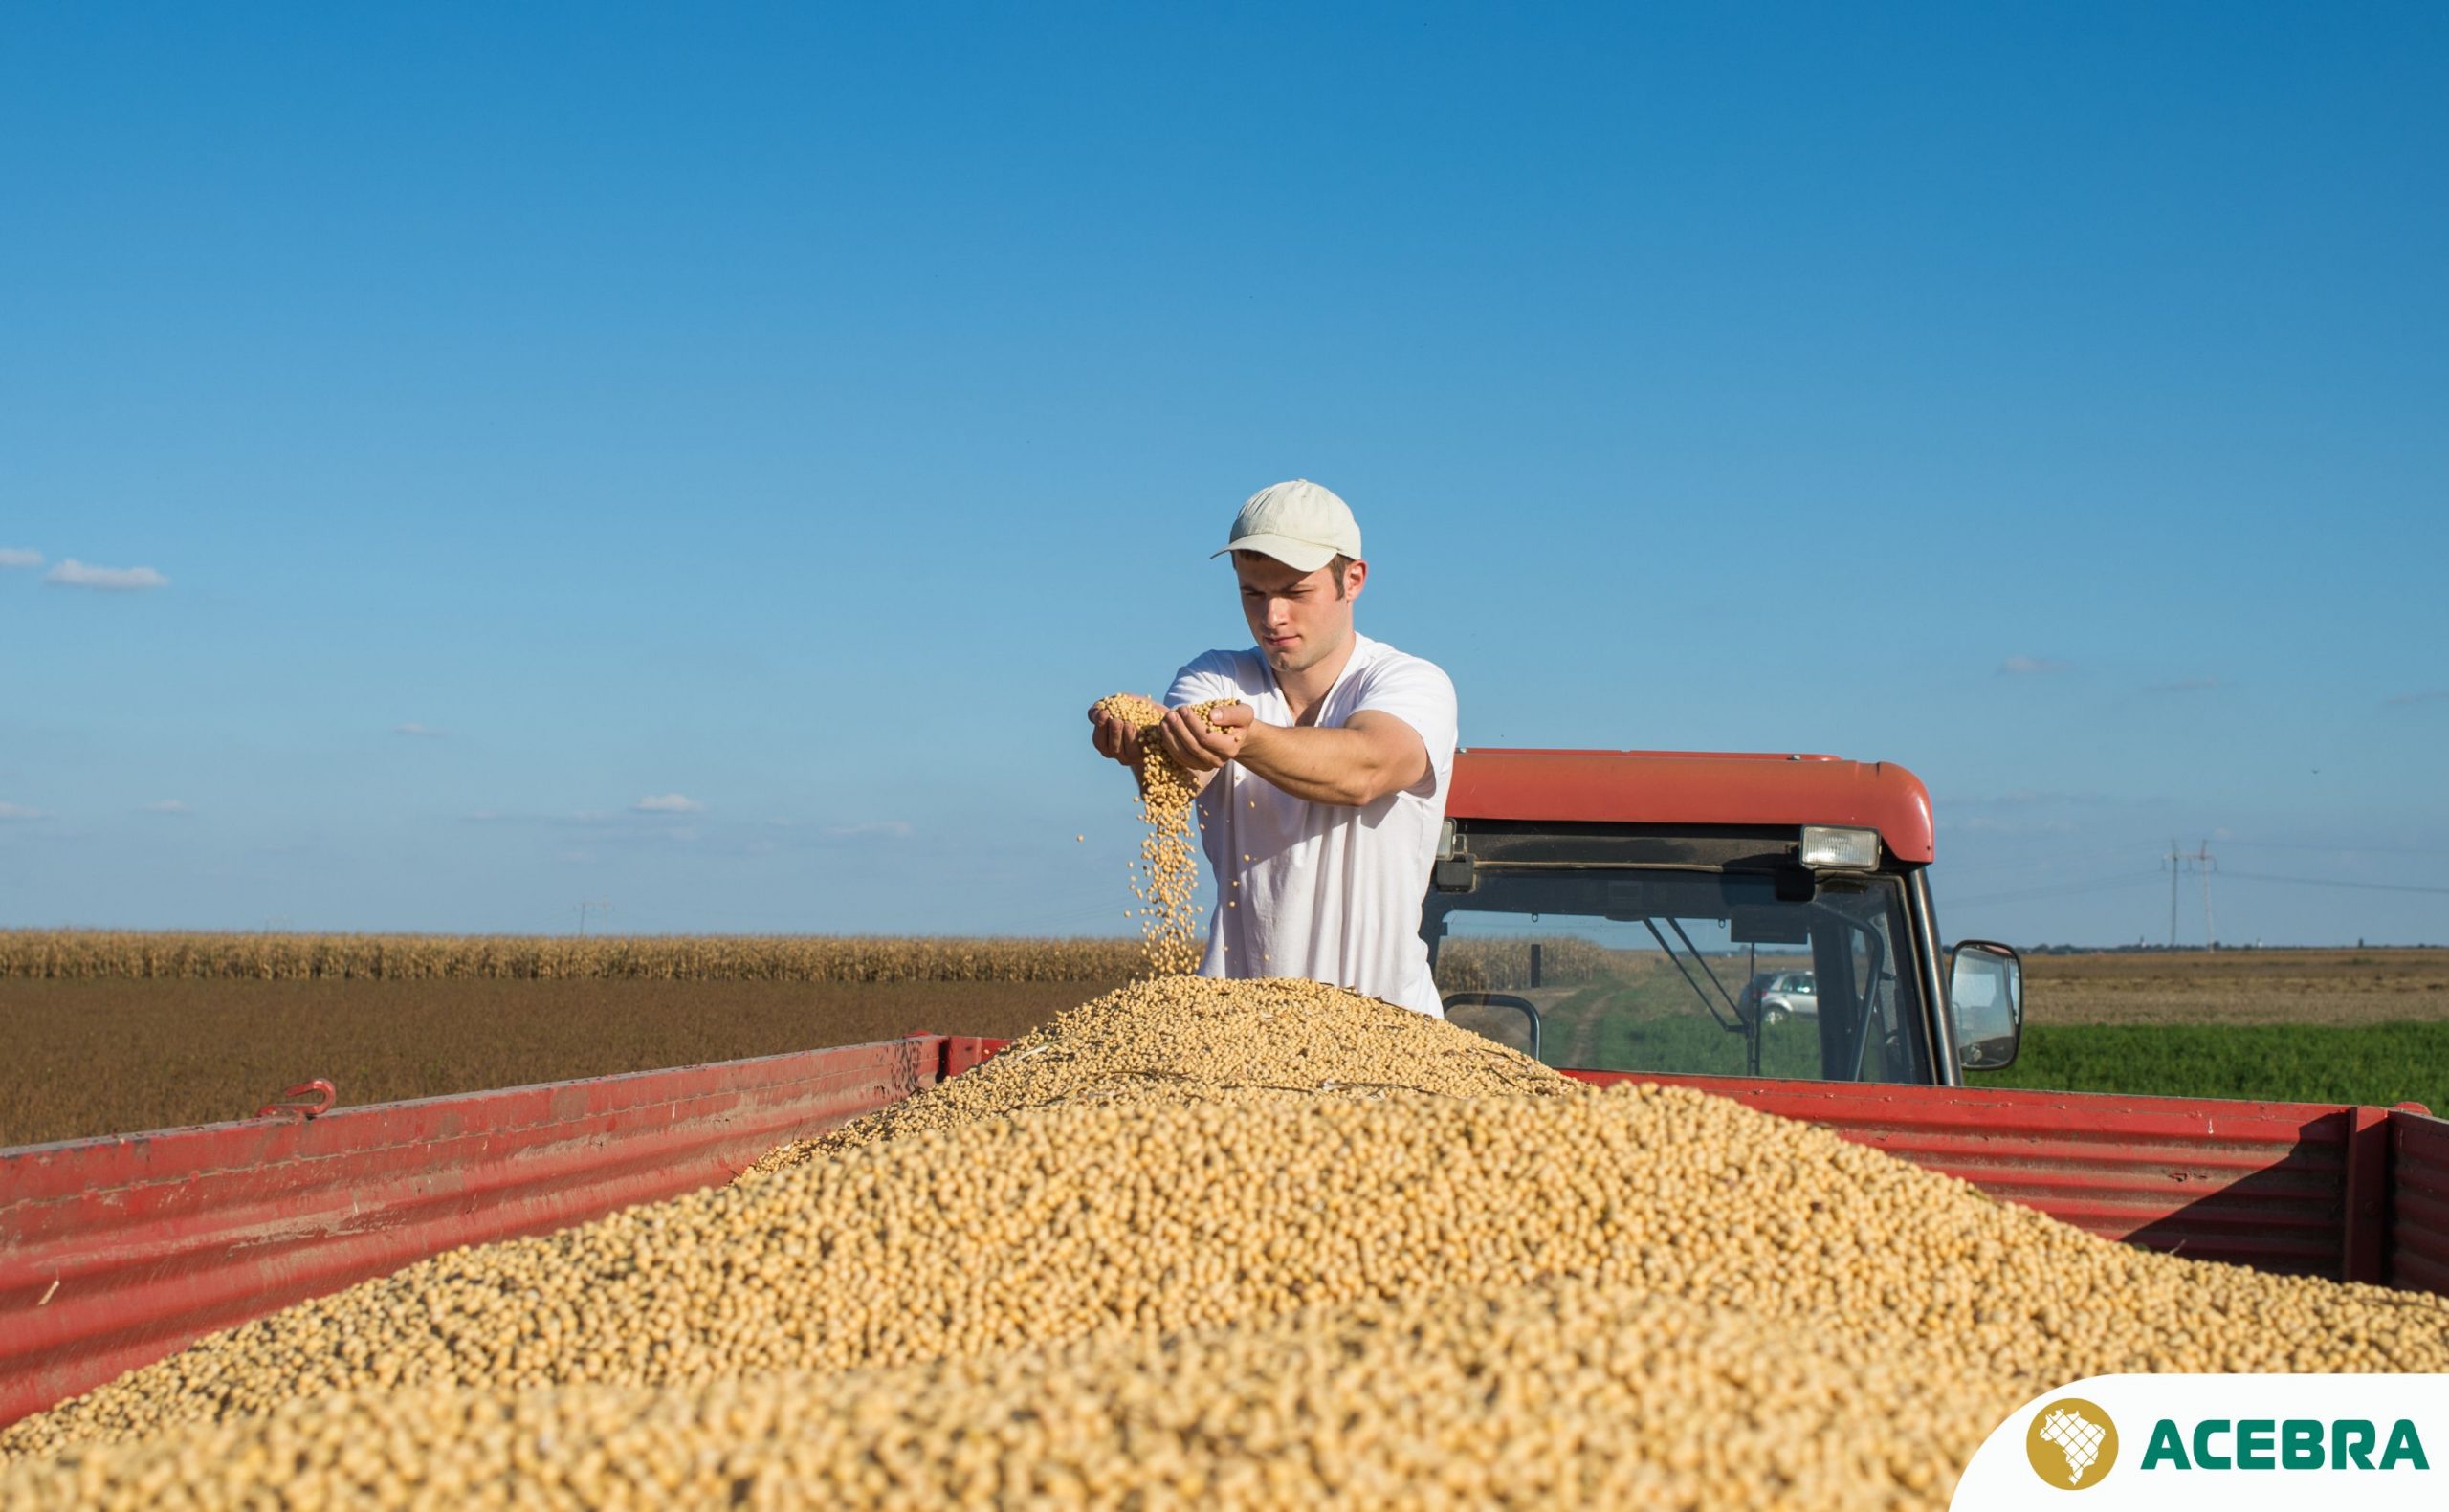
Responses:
[1355,577]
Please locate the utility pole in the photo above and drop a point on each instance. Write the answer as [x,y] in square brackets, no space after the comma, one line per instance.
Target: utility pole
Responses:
[601,906]
[2202,858]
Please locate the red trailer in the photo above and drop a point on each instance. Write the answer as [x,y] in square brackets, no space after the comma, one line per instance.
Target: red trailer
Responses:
[117,1251]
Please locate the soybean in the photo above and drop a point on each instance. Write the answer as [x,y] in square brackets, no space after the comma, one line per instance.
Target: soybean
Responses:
[1165,879]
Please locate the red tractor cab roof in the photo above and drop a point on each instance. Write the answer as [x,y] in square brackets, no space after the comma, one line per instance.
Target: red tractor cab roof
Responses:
[1696,787]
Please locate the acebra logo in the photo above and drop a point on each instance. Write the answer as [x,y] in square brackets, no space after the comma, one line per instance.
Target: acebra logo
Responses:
[2072,1444]
[2285,1443]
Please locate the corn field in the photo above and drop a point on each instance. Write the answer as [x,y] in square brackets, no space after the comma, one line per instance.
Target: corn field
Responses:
[90,954]
[140,955]
[1505,965]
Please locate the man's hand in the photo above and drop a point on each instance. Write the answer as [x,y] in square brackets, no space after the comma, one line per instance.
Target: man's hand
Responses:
[1115,739]
[1205,745]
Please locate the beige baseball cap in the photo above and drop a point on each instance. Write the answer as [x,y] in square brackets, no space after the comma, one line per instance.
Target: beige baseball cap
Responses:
[1298,523]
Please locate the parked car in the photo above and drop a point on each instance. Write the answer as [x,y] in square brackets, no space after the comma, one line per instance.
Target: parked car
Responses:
[1793,994]
[1774,996]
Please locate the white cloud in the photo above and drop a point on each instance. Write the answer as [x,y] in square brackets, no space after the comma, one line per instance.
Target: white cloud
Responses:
[74,574]
[898,829]
[421,732]
[668,804]
[167,806]
[2187,685]
[20,811]
[2029,667]
[2430,696]
[19,556]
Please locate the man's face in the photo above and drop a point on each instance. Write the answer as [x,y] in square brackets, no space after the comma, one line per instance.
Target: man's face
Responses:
[1298,617]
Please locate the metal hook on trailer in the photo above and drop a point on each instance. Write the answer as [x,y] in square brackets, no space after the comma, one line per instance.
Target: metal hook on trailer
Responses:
[293,1102]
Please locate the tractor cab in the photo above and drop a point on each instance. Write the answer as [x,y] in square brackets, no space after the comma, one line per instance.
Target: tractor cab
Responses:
[1708,913]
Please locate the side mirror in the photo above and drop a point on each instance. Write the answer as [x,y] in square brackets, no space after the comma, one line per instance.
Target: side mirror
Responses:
[1986,995]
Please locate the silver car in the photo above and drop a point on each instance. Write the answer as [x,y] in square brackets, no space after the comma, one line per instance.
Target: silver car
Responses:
[1779,995]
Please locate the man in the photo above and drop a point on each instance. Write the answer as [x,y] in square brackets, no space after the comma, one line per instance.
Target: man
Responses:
[1321,790]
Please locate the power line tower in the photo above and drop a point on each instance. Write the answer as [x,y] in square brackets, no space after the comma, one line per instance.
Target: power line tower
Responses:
[2176,861]
[599,907]
[2203,862]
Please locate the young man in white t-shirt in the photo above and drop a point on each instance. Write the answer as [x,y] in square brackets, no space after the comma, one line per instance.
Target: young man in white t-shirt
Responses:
[1321,794]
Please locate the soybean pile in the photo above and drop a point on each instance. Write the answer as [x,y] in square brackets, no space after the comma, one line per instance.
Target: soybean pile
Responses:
[1203,1039]
[1282,1292]
[1559,1393]
[1165,879]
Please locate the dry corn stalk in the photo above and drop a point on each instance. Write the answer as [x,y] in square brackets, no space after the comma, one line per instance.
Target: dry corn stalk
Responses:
[90,954]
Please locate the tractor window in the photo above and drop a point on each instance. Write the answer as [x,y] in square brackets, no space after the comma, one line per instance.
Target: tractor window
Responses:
[1692,973]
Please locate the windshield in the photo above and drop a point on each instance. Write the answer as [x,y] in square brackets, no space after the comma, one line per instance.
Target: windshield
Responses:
[1689,971]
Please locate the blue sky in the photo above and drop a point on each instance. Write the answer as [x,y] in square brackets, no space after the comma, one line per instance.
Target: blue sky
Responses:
[705,460]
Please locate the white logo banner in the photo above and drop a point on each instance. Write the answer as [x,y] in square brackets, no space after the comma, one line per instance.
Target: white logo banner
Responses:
[2236,1442]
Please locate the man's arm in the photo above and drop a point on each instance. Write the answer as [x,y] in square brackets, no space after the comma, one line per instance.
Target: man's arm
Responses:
[1373,754]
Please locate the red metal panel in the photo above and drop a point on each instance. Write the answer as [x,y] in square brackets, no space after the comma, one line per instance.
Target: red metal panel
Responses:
[1672,787]
[2367,1198]
[2418,1255]
[117,1251]
[2260,1184]
[962,1051]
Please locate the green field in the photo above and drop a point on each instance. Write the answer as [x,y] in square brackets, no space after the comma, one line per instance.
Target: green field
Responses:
[1650,1022]
[2371,1030]
[2299,1026]
[2380,1063]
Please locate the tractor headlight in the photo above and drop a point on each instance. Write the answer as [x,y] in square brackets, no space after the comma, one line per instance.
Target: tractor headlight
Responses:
[1825,845]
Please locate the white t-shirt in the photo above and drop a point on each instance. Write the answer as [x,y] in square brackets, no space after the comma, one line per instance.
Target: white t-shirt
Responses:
[1326,891]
